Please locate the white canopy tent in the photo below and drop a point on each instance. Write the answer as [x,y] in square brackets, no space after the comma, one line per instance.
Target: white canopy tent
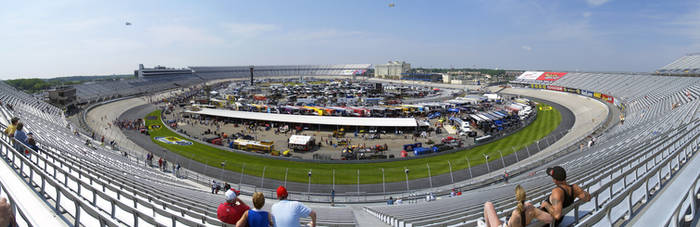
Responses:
[299,139]
[307,119]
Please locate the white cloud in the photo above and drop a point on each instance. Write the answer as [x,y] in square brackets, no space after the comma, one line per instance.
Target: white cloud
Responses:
[526,47]
[323,34]
[249,30]
[586,14]
[596,2]
[171,34]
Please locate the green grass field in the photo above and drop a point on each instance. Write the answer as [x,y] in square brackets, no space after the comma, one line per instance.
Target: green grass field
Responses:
[547,120]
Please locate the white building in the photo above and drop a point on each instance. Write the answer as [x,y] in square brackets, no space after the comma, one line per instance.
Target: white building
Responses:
[393,69]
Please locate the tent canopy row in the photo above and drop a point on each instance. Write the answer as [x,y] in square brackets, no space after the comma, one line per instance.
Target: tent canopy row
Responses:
[307,119]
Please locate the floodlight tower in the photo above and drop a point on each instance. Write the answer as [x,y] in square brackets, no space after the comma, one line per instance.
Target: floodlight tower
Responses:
[251,75]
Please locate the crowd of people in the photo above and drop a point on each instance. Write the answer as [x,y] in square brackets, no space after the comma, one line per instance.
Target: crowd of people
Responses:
[283,213]
[24,140]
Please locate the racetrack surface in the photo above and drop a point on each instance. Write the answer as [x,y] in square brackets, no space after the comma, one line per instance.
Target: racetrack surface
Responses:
[231,176]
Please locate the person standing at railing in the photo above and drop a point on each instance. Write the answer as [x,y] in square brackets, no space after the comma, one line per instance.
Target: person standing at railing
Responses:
[521,216]
[563,195]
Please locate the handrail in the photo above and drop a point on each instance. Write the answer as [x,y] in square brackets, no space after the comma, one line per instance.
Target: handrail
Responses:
[655,145]
[45,179]
[690,195]
[628,190]
[114,203]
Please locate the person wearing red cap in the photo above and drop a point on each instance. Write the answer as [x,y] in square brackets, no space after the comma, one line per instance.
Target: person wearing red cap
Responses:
[563,195]
[229,212]
[287,213]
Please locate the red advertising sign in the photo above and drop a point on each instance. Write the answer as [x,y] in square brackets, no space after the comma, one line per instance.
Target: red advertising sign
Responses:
[555,88]
[551,76]
[607,98]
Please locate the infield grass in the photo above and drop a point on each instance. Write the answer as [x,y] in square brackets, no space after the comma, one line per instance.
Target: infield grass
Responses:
[548,119]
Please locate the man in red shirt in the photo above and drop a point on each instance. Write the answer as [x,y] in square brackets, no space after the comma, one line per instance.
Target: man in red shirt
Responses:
[229,212]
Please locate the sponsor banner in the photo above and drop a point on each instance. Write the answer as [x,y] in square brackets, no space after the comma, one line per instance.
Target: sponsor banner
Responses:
[587,93]
[572,90]
[173,140]
[530,75]
[550,76]
[596,94]
[607,98]
[555,88]
[153,127]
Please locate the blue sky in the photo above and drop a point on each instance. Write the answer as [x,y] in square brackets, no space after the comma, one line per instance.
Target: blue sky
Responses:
[61,38]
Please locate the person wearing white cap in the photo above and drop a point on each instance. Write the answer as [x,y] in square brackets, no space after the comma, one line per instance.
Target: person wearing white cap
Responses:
[229,212]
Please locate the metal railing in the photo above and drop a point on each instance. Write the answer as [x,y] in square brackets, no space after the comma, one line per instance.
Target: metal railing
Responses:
[581,177]
[21,164]
[692,197]
[63,191]
[686,149]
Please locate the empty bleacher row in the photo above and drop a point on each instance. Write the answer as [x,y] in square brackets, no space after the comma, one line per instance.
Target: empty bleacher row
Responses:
[123,188]
[642,147]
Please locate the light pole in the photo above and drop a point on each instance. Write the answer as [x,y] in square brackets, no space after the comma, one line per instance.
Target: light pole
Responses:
[502,161]
[430,178]
[486,158]
[451,176]
[470,168]
[383,184]
[222,170]
[309,188]
[405,170]
[241,178]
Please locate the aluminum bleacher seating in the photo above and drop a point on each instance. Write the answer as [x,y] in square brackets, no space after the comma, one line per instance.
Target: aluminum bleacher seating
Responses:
[110,188]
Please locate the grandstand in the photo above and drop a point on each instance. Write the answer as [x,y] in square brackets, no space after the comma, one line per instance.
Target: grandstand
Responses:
[635,171]
[219,72]
[686,65]
[103,90]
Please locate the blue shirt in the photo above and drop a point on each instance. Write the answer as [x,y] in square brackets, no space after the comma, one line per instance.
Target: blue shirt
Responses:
[287,213]
[21,136]
[258,218]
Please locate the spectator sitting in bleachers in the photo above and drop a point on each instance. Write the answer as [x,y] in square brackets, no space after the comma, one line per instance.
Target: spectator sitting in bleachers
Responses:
[20,136]
[10,130]
[563,195]
[229,212]
[287,213]
[521,216]
[256,217]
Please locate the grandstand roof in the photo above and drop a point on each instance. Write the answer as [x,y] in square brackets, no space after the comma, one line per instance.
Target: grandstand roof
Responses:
[279,67]
[688,64]
[306,119]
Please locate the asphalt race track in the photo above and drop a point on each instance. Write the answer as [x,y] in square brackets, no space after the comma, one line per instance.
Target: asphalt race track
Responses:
[145,142]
